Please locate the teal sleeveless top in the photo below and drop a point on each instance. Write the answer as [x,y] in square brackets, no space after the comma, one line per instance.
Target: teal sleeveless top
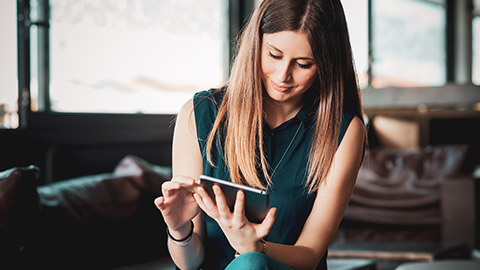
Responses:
[288,144]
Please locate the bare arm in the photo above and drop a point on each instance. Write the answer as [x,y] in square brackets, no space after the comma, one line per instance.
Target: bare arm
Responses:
[330,204]
[178,205]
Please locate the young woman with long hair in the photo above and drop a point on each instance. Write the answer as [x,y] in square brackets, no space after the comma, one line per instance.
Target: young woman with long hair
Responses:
[288,120]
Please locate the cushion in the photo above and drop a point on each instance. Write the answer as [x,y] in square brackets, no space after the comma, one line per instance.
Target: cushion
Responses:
[107,196]
[19,208]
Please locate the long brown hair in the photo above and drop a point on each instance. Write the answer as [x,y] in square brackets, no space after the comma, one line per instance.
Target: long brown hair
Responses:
[240,114]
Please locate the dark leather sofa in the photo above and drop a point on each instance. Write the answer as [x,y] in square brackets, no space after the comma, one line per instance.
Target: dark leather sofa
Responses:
[104,221]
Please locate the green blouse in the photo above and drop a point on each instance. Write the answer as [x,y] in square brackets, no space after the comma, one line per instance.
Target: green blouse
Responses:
[286,148]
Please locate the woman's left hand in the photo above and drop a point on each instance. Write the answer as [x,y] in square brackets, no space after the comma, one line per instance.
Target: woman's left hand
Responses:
[243,235]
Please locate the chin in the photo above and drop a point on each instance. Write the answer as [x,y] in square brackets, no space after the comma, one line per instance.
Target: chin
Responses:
[278,96]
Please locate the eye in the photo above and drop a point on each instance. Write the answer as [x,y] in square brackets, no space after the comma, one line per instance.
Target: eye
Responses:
[304,66]
[274,56]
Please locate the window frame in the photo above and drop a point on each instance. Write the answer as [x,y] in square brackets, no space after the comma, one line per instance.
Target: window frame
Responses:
[475,15]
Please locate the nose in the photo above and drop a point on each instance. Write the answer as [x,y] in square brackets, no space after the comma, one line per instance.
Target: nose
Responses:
[283,71]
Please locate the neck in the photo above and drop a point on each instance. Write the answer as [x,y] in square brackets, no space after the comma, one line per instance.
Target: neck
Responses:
[277,113]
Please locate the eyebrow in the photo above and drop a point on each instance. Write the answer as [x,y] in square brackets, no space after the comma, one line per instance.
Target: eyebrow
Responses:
[277,49]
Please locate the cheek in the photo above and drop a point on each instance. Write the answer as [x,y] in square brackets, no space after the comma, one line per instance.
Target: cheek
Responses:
[307,78]
[266,66]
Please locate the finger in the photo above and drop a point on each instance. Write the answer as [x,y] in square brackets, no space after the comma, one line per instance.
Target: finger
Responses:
[207,201]
[187,183]
[199,201]
[169,186]
[222,205]
[162,205]
[202,206]
[175,188]
[184,180]
[159,203]
[239,208]
[264,228]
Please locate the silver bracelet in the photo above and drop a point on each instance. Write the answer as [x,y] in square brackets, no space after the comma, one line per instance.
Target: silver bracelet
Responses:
[181,242]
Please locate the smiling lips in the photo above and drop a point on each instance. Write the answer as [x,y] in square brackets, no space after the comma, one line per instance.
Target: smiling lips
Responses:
[280,88]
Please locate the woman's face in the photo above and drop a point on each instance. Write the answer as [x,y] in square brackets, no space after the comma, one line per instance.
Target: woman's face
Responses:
[288,67]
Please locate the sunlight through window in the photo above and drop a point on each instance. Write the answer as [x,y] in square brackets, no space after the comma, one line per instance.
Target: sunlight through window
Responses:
[145,56]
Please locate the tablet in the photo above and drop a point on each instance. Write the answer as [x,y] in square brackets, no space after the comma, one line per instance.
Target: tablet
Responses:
[256,200]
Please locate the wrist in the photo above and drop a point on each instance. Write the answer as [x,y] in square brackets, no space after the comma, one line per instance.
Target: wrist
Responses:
[260,247]
[181,232]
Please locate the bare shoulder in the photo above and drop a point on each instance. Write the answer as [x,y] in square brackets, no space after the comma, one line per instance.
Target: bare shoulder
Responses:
[187,110]
[185,122]
[349,155]
[355,135]
[356,128]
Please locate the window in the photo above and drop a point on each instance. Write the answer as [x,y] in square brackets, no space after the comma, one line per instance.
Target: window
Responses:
[357,20]
[149,56]
[8,65]
[407,42]
[124,56]
[409,47]
[476,44]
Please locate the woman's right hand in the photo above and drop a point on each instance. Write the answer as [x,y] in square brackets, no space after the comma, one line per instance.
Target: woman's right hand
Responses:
[177,205]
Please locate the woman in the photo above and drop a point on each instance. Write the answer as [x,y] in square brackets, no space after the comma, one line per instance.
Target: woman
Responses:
[288,120]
